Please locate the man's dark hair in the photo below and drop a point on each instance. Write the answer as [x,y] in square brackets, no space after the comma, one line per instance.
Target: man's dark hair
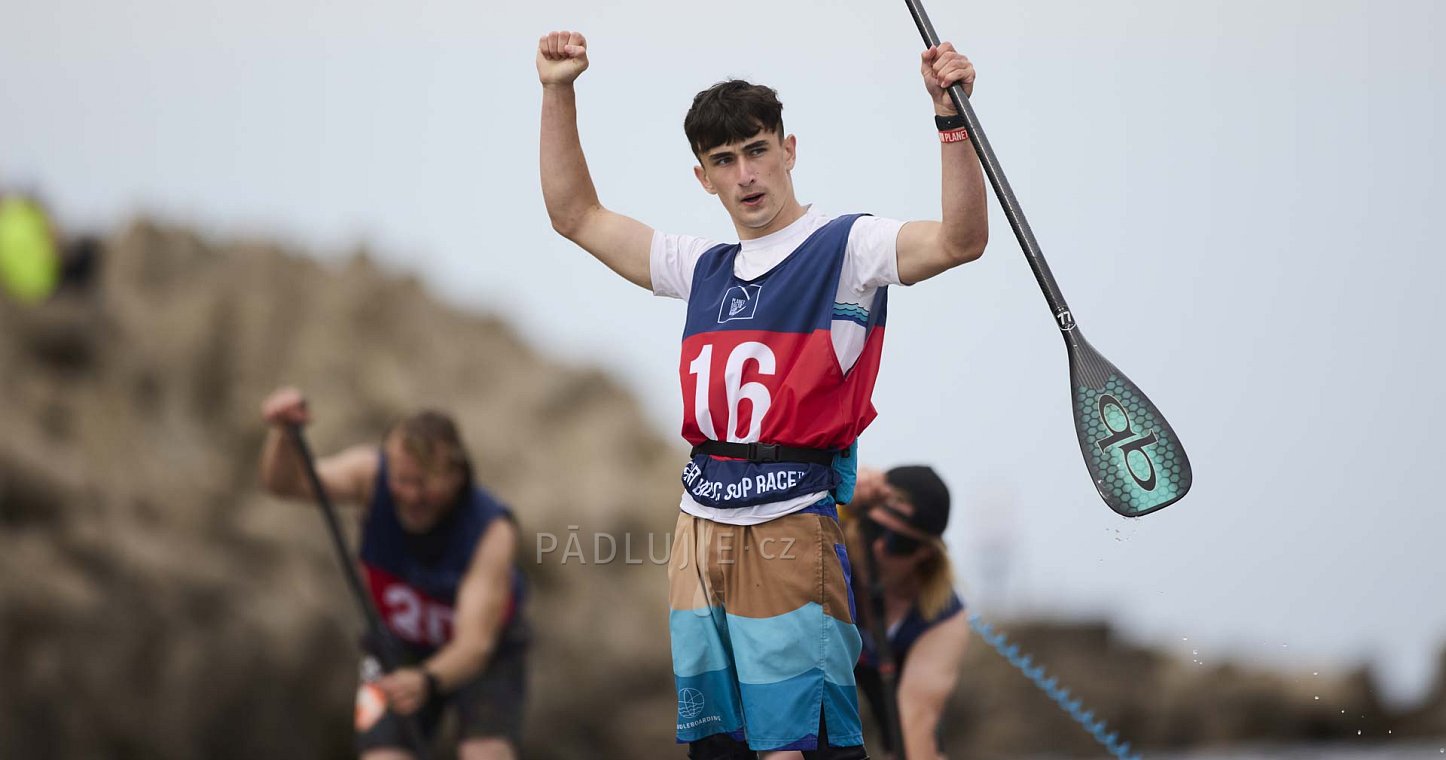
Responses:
[731,111]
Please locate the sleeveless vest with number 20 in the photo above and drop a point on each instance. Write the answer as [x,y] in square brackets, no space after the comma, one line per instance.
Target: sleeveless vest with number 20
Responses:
[414,578]
[759,365]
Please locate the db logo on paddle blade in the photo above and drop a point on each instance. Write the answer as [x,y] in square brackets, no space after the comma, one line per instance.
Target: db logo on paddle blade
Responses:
[1111,412]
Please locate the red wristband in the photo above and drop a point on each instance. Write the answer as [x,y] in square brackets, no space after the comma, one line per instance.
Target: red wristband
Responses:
[954,135]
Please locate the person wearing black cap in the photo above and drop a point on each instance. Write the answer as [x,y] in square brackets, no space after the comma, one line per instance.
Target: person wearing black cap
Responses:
[901,566]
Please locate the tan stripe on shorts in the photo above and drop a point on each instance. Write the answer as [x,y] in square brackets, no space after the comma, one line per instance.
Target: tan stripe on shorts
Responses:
[758,571]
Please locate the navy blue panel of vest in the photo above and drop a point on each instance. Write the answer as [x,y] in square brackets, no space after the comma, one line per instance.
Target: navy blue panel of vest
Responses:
[796,295]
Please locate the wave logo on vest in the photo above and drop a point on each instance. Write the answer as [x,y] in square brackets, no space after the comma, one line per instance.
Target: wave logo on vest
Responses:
[690,703]
[739,302]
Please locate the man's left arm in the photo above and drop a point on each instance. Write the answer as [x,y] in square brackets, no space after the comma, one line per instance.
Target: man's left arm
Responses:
[927,248]
[481,605]
[929,677]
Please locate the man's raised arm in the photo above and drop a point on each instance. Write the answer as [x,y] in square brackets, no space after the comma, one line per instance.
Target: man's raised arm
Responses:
[346,476]
[621,243]
[930,248]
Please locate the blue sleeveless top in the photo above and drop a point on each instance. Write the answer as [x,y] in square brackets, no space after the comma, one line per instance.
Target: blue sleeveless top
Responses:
[904,635]
[413,578]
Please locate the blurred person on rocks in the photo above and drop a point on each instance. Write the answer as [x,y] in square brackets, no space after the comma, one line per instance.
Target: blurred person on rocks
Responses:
[438,554]
[895,525]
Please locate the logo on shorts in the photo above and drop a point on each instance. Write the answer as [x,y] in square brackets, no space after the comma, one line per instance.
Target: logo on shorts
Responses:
[690,703]
[740,302]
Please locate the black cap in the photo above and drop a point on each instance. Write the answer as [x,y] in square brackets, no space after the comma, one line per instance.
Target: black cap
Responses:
[930,497]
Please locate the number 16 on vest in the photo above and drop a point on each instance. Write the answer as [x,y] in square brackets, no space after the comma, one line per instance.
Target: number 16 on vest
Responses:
[737,391]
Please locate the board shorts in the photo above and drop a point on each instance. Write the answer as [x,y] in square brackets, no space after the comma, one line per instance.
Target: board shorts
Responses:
[489,706]
[763,635]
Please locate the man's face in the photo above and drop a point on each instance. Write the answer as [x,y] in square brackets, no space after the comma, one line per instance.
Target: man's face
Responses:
[752,179]
[422,496]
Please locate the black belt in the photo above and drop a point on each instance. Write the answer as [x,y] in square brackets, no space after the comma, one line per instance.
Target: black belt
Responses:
[766,452]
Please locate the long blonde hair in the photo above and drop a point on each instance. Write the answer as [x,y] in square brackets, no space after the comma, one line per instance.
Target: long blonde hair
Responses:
[935,573]
[936,581]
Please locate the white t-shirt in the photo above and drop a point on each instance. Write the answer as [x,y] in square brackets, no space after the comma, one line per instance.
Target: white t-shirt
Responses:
[870,262]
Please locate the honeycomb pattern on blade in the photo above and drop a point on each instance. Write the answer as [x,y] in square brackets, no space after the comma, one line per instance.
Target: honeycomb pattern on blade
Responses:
[1136,474]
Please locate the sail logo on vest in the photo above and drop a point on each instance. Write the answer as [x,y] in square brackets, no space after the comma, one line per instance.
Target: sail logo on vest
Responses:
[739,302]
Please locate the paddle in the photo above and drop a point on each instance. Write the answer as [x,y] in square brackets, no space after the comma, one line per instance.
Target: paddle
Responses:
[1134,457]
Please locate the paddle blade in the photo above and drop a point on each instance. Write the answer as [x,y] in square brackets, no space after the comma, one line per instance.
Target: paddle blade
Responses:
[1134,457]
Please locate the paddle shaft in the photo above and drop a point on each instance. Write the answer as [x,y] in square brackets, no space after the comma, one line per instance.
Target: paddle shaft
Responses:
[1002,190]
[338,542]
[386,652]
[887,666]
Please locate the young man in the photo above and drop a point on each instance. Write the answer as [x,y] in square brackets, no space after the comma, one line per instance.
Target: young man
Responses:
[780,352]
[438,553]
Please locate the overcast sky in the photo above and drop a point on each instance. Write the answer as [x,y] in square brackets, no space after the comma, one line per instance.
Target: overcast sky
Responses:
[1239,199]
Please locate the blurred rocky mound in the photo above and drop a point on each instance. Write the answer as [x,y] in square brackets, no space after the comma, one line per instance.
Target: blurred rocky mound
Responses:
[153,604]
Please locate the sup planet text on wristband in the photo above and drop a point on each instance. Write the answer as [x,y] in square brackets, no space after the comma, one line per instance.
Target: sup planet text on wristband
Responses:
[951,128]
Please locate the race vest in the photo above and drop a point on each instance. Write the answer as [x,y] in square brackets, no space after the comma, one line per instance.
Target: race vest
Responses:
[413,579]
[759,365]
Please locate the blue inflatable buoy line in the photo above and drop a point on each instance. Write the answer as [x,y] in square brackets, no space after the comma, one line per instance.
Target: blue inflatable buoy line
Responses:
[1050,686]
